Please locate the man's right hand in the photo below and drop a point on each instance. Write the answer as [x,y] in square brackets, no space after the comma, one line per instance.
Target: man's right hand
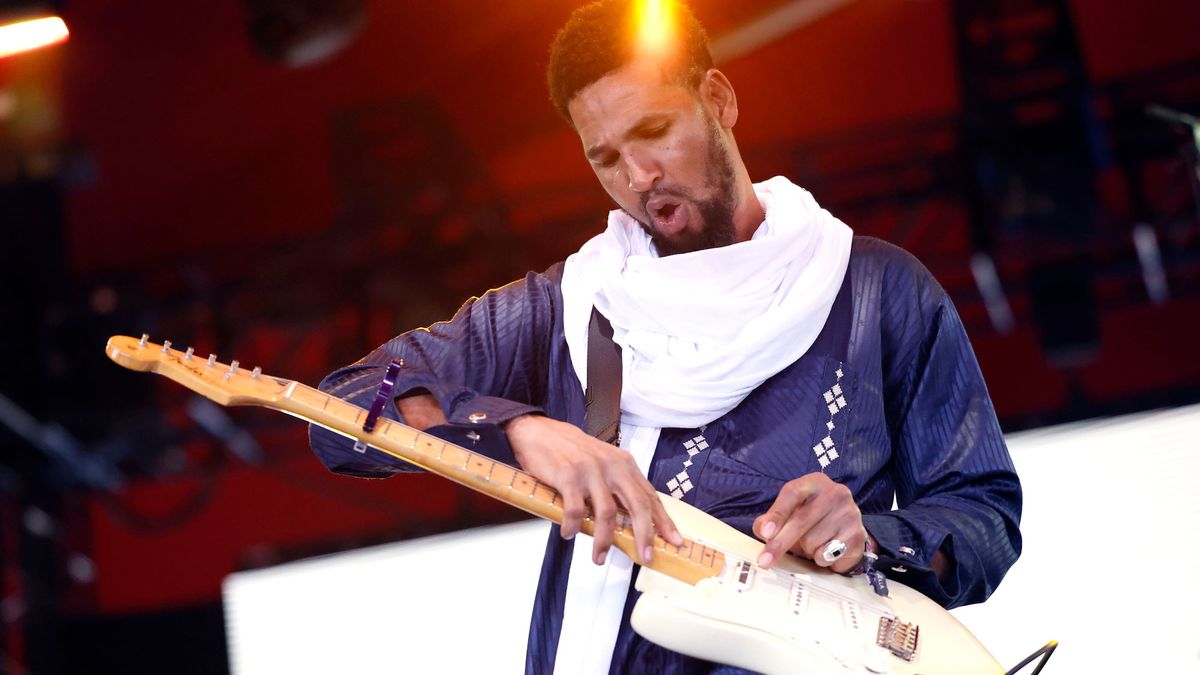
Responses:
[584,469]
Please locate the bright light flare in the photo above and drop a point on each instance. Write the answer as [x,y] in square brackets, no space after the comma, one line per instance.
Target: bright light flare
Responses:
[24,36]
[654,23]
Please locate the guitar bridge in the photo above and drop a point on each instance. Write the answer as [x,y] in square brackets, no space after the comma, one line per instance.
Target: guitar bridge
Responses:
[897,637]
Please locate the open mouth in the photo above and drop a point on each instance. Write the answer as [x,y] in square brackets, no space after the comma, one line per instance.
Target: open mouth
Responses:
[665,214]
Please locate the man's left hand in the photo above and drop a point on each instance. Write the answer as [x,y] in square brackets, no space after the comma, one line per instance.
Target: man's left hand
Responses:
[809,512]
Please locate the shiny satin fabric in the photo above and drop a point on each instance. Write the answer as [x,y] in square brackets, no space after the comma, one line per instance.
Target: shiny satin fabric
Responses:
[889,401]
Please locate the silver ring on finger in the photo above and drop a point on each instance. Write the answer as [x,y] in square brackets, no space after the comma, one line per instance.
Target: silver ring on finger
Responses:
[835,549]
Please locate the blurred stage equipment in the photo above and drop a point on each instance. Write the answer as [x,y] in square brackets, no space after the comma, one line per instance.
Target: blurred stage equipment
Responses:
[771,26]
[987,280]
[217,422]
[23,34]
[1192,124]
[71,457]
[1028,143]
[1145,239]
[1154,275]
[303,32]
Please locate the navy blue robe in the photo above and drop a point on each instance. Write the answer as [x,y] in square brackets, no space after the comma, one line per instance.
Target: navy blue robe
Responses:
[889,401]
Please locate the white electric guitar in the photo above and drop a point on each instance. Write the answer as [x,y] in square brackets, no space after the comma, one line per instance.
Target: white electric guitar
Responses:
[706,598]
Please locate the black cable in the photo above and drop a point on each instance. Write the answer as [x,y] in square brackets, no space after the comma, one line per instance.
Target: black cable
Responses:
[1044,652]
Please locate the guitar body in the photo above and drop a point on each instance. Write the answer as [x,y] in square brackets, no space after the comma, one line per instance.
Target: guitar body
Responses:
[796,617]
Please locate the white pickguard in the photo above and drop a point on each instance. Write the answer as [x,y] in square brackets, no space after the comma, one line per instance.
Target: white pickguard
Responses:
[794,618]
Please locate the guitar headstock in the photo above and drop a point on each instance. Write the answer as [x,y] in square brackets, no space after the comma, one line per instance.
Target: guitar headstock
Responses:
[225,383]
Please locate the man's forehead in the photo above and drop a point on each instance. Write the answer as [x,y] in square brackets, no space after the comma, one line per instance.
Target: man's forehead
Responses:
[625,96]
[649,76]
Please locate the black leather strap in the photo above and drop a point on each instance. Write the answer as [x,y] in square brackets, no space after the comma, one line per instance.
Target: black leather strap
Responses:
[602,399]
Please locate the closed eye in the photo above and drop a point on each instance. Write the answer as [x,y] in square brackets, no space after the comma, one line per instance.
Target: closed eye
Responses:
[656,131]
[605,160]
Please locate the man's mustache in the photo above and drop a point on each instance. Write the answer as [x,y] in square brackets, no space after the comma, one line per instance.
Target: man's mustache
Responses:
[676,192]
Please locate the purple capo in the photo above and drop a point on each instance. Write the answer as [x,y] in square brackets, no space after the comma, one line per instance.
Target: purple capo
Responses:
[382,397]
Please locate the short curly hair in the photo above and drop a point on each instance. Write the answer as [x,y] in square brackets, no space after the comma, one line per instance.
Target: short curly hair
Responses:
[601,37]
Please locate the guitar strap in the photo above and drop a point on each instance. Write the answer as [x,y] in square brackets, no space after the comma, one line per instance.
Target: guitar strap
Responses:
[602,399]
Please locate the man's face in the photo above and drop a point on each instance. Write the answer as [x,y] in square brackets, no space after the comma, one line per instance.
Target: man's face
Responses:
[660,155]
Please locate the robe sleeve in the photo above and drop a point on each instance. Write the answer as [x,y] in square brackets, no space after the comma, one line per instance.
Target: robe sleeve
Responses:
[956,487]
[485,366]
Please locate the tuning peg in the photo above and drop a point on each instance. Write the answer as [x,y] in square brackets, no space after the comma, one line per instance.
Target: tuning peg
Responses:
[142,342]
[254,374]
[232,369]
[188,355]
[166,346]
[212,360]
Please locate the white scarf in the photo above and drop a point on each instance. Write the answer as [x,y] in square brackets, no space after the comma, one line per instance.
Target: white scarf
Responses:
[698,332]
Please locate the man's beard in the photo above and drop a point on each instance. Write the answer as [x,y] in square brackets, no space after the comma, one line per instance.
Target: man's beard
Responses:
[716,212]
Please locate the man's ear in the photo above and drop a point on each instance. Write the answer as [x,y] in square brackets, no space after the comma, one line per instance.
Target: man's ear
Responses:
[717,94]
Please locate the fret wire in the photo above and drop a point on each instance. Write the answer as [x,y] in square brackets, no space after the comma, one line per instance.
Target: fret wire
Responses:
[536,485]
[325,405]
[467,461]
[513,481]
[490,470]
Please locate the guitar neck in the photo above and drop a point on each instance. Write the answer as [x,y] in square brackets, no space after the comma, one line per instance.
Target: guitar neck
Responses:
[230,385]
[689,563]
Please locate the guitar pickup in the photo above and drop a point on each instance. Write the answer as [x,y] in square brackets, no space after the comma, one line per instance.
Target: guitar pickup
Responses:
[798,597]
[743,576]
[898,638]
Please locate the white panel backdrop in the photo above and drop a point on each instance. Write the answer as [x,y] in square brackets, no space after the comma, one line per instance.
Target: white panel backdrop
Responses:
[1112,535]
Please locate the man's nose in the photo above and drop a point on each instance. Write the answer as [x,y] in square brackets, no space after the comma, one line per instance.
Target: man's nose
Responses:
[643,173]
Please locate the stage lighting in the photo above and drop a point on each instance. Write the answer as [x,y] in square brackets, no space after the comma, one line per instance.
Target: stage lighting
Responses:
[29,34]
[654,25]
[303,32]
